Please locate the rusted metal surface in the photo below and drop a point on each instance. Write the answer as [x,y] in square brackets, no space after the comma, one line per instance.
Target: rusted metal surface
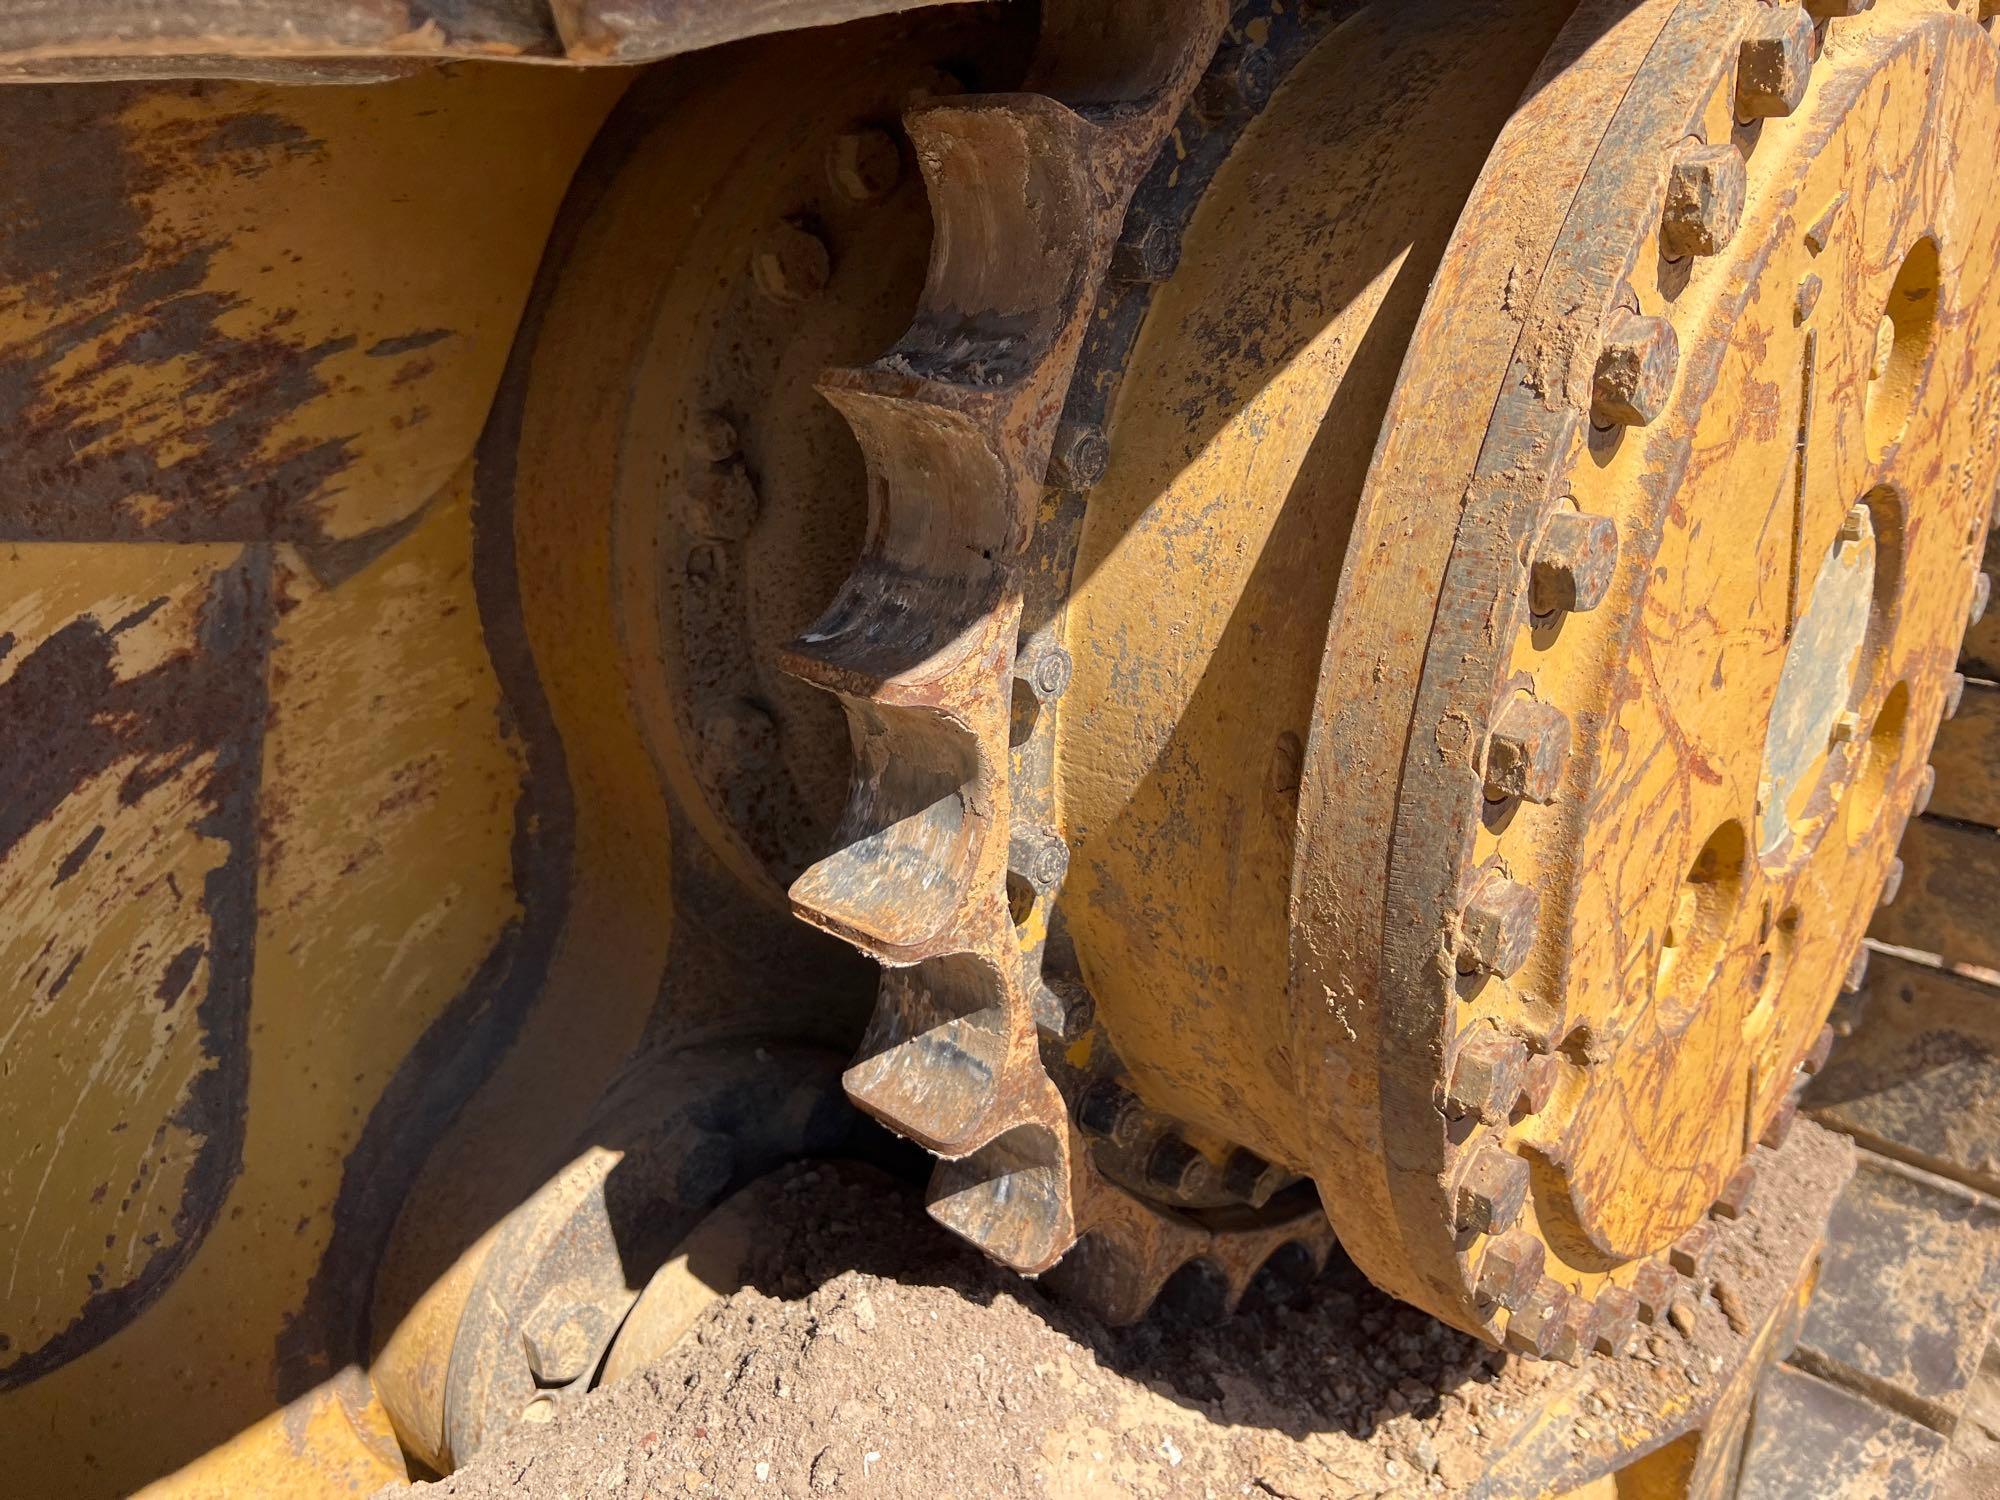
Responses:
[354,41]
[1679,971]
[958,424]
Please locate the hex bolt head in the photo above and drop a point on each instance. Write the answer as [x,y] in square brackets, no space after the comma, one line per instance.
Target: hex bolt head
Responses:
[1926,789]
[738,736]
[1527,752]
[1177,1167]
[1705,189]
[1537,1323]
[1492,1192]
[1774,1133]
[1738,1189]
[1147,253]
[1773,63]
[1249,1177]
[720,503]
[713,439]
[1237,84]
[1954,694]
[1576,1334]
[1857,972]
[1575,562]
[1818,1052]
[1692,1254]
[1654,1289]
[1111,1112]
[1635,372]
[1079,457]
[1511,1270]
[1539,1076]
[1485,1076]
[1617,1320]
[865,165]
[1982,597]
[1892,884]
[1497,928]
[791,264]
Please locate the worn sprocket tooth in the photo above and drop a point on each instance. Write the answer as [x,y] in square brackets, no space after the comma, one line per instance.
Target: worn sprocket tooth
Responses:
[1130,1250]
[956,425]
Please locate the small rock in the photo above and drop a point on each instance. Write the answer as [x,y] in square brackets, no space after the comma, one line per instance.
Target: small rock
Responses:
[1681,1315]
[864,1313]
[825,1474]
[763,1472]
[1425,1452]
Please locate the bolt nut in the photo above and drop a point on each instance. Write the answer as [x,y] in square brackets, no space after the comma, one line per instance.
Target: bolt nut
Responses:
[712,438]
[865,165]
[1237,84]
[1178,1168]
[1738,1189]
[1110,1112]
[720,503]
[1954,694]
[1693,1252]
[1773,63]
[1492,1192]
[1148,253]
[1857,972]
[1485,1076]
[1654,1288]
[1617,1320]
[738,736]
[1574,563]
[1926,789]
[1247,1176]
[1497,929]
[791,264]
[1780,1126]
[1705,189]
[1818,1052]
[1635,372]
[1892,883]
[1527,751]
[1576,1334]
[1080,456]
[1539,1076]
[1511,1271]
[1537,1323]
[1982,597]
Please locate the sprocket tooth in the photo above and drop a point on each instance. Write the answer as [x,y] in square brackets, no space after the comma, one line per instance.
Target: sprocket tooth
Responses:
[942,1058]
[1010,1197]
[915,839]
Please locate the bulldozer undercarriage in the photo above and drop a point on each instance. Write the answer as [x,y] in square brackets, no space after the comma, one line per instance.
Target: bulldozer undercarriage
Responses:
[1410,585]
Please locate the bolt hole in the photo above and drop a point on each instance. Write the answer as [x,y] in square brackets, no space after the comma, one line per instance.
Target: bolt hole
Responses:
[1881,753]
[1698,924]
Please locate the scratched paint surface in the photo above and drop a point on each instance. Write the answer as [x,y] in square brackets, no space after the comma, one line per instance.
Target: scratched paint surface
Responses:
[1678,764]
[270,788]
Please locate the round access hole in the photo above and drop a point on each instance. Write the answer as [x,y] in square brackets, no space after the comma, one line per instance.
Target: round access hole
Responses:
[1902,346]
